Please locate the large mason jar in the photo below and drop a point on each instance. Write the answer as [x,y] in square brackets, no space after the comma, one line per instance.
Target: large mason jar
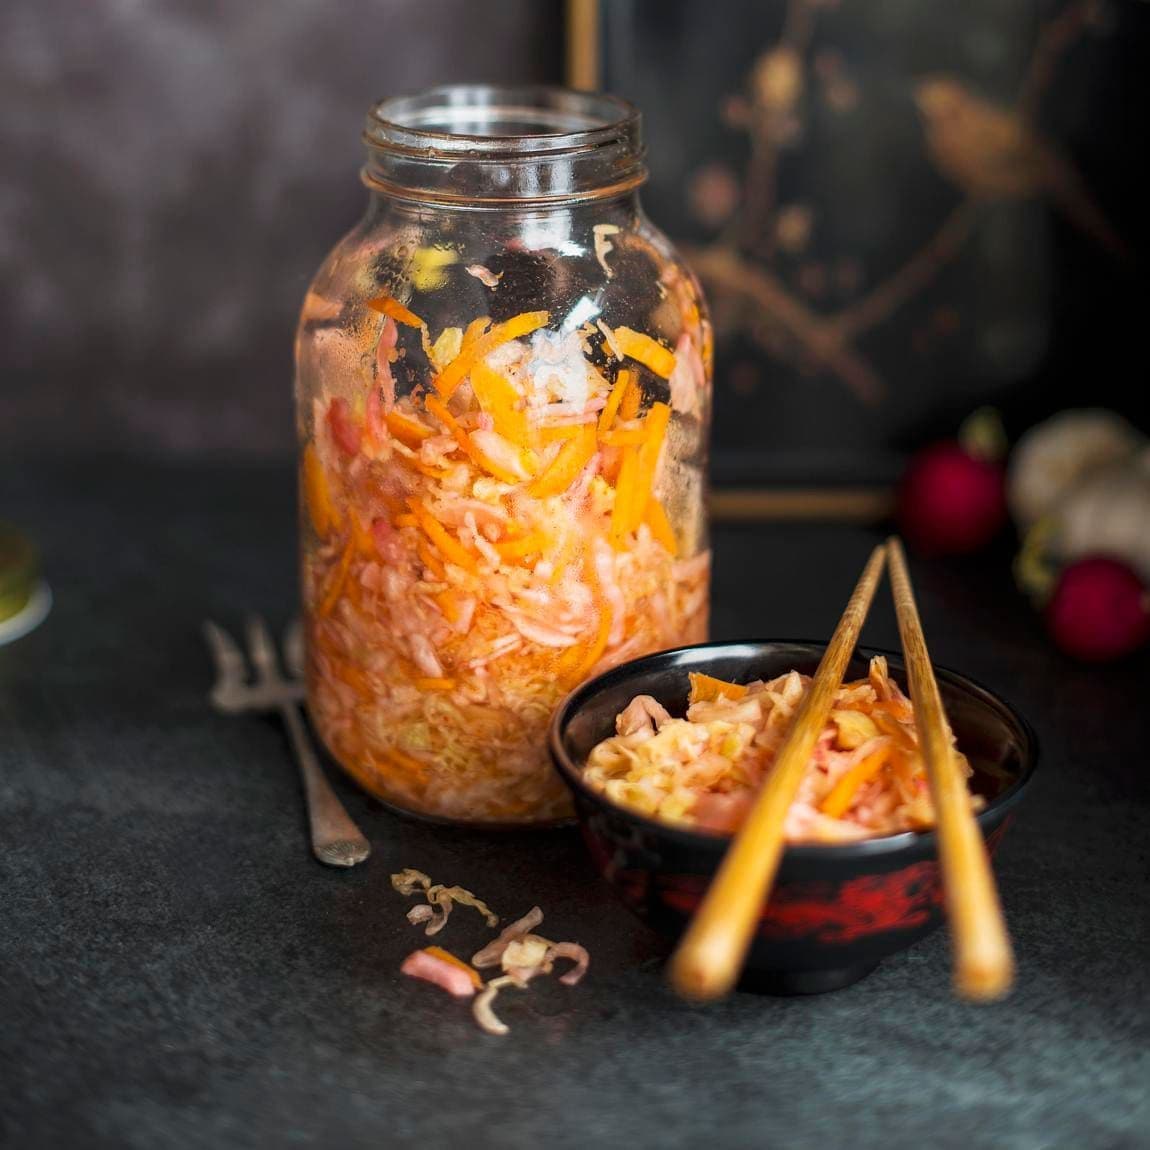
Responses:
[503,388]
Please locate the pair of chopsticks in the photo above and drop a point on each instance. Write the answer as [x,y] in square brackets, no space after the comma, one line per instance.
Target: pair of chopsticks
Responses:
[711,953]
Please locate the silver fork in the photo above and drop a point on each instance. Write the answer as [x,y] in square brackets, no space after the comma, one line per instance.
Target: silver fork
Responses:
[335,839]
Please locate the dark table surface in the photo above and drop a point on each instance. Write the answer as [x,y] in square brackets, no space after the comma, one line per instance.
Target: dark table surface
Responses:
[176,971]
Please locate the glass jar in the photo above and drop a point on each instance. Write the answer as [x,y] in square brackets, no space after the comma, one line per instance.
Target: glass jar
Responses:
[503,387]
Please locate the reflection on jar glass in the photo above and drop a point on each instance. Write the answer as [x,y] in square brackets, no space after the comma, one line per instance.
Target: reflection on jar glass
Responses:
[503,388]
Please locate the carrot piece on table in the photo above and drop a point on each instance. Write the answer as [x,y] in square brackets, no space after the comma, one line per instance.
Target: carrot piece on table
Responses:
[385,305]
[317,496]
[408,431]
[447,956]
[838,802]
[708,689]
[514,328]
[635,345]
[656,519]
[573,456]
[611,408]
[446,543]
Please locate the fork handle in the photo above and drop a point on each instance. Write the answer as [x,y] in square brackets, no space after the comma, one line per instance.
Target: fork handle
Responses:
[335,839]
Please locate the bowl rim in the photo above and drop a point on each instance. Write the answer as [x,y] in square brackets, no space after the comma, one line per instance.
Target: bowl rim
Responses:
[711,840]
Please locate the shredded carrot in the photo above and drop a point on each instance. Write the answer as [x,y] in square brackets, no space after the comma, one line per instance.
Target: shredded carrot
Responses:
[560,433]
[362,537]
[406,520]
[449,547]
[655,429]
[525,545]
[636,345]
[429,560]
[656,519]
[708,689]
[492,466]
[568,552]
[385,305]
[573,456]
[474,330]
[439,409]
[317,496]
[406,763]
[621,513]
[499,399]
[607,415]
[448,602]
[407,431]
[447,956]
[629,408]
[599,645]
[514,328]
[623,437]
[433,684]
[335,587]
[838,802]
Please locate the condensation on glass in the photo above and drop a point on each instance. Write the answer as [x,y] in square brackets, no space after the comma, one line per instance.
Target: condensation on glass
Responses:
[503,389]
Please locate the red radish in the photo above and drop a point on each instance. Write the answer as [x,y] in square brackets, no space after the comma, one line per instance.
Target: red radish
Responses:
[1100,610]
[344,430]
[951,501]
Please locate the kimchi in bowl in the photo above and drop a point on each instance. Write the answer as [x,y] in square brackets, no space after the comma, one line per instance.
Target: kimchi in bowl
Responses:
[836,910]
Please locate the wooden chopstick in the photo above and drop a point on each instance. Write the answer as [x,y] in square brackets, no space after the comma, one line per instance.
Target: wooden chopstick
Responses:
[983,959]
[711,953]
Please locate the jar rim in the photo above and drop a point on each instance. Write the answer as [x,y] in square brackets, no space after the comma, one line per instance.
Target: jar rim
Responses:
[489,121]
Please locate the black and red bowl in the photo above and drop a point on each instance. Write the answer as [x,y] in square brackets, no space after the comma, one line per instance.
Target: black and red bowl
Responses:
[835,911]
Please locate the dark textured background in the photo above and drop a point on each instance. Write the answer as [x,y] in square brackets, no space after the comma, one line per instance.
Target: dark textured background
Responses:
[173,174]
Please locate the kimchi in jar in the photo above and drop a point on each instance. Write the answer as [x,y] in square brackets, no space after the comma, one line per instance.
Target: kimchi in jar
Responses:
[503,389]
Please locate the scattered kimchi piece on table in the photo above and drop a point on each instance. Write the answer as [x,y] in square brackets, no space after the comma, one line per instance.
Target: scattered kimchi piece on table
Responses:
[866,777]
[521,954]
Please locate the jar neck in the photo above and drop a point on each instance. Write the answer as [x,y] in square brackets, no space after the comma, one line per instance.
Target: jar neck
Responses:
[481,148]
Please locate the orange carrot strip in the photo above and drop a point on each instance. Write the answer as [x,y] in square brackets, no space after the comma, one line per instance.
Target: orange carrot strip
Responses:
[607,415]
[404,761]
[514,328]
[556,434]
[448,602]
[707,689]
[427,557]
[838,802]
[446,543]
[499,399]
[439,409]
[525,545]
[317,495]
[406,520]
[621,513]
[566,554]
[447,956]
[481,459]
[629,408]
[432,684]
[385,305]
[573,456]
[598,645]
[655,428]
[409,432]
[338,579]
[636,345]
[474,330]
[656,519]
[623,437]
[362,537]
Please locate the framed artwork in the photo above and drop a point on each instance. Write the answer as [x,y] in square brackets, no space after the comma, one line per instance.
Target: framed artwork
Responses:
[900,212]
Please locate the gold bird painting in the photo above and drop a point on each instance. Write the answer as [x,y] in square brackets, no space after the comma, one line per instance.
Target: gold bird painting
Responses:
[990,152]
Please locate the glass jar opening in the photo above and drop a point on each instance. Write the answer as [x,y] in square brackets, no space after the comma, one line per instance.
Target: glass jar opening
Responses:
[480,143]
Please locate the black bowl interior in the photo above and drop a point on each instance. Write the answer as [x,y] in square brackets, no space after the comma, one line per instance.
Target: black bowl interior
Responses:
[994,737]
